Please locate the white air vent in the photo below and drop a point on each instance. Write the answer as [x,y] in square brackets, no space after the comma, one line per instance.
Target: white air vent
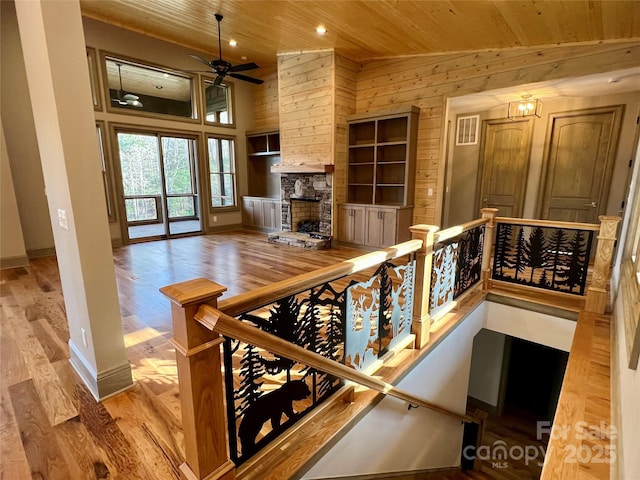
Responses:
[467,133]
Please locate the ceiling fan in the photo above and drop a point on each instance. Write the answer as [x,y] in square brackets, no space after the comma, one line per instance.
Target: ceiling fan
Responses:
[222,68]
[126,98]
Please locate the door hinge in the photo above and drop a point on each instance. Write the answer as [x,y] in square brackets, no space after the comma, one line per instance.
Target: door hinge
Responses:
[630,162]
[622,205]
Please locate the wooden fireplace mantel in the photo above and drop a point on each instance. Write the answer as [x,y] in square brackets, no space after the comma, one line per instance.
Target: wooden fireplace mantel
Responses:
[302,168]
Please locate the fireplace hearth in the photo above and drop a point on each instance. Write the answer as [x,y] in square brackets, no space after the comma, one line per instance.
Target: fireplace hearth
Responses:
[306,210]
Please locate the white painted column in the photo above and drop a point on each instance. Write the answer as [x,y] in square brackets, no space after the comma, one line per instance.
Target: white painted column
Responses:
[55,59]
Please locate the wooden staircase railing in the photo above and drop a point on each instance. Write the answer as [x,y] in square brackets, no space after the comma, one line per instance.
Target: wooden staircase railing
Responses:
[229,326]
[200,322]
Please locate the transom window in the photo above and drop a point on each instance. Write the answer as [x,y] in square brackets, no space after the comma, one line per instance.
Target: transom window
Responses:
[217,102]
[141,88]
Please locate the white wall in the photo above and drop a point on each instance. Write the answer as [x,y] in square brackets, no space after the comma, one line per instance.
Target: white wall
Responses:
[20,136]
[533,326]
[463,164]
[12,249]
[486,366]
[391,438]
[625,382]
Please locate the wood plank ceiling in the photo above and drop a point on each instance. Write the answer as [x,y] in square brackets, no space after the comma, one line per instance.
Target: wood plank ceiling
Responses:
[364,30]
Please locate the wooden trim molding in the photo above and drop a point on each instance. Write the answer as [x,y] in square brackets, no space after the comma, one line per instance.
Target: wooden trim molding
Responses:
[302,168]
[14,262]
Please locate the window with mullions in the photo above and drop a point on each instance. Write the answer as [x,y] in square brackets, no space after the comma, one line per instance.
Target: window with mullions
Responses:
[222,171]
[106,180]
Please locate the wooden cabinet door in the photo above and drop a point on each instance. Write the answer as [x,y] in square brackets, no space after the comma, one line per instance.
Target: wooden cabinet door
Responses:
[252,212]
[351,224]
[388,227]
[268,214]
[380,227]
[271,215]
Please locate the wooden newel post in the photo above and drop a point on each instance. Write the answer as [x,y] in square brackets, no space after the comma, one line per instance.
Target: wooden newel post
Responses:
[201,382]
[489,240]
[421,319]
[597,293]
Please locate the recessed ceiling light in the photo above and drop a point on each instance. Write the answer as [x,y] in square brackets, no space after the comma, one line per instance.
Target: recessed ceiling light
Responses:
[321,30]
[243,57]
[159,87]
[614,80]
[233,43]
[165,75]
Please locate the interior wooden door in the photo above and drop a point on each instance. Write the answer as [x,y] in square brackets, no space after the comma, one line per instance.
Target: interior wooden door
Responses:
[580,156]
[504,153]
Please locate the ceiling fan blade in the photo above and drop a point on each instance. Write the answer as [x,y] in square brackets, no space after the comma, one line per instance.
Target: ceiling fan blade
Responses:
[200,59]
[247,79]
[243,67]
[218,81]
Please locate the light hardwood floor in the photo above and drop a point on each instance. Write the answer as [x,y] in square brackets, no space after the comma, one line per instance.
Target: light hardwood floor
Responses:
[50,426]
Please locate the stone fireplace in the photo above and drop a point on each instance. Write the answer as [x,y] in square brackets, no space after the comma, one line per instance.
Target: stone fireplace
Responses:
[306,202]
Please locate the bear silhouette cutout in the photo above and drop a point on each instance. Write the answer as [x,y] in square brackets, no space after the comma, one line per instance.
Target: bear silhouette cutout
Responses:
[270,406]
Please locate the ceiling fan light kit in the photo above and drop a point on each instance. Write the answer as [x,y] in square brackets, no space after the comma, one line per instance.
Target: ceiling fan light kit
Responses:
[223,68]
[125,99]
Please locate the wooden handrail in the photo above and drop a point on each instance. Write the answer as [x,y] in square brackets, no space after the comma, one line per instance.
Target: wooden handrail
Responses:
[224,324]
[451,232]
[531,222]
[260,297]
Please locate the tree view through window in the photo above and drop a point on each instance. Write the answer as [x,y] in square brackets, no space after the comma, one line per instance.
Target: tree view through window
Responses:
[222,171]
[144,162]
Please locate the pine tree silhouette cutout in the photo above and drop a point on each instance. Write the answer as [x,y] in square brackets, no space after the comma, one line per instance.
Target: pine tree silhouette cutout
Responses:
[544,281]
[577,259]
[251,372]
[462,266]
[503,246]
[330,347]
[283,323]
[519,262]
[386,305]
[558,246]
[535,251]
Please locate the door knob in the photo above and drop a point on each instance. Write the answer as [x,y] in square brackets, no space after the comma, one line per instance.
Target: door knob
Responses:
[485,200]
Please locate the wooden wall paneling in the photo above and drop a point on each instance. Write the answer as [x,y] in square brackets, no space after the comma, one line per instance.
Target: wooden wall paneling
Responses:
[346,73]
[266,99]
[427,82]
[306,91]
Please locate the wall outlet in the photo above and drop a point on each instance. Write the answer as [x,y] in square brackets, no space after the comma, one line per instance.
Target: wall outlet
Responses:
[430,192]
[215,218]
[84,338]
[62,219]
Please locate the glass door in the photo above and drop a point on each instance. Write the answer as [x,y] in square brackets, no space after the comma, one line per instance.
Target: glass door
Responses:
[159,185]
[180,185]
